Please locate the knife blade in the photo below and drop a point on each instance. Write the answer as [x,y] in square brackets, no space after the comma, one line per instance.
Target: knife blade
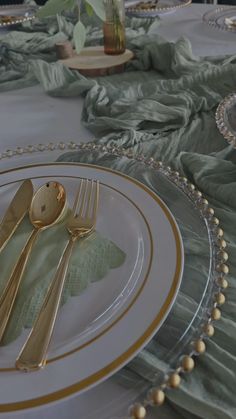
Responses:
[15,212]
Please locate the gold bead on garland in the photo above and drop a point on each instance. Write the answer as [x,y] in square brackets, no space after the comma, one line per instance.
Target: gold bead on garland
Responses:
[209,330]
[204,202]
[215,221]
[223,256]
[200,346]
[191,187]
[174,380]
[220,298]
[187,363]
[138,411]
[221,243]
[220,232]
[223,268]
[157,396]
[197,194]
[222,282]
[216,313]
[210,211]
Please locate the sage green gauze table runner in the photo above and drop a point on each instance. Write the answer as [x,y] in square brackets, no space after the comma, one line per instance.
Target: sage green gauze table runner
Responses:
[163,106]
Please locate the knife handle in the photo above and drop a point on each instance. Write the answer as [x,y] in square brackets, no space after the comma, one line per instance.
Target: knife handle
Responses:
[34,352]
[10,292]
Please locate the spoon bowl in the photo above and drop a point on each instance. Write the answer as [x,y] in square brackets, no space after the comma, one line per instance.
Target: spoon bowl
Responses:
[48,205]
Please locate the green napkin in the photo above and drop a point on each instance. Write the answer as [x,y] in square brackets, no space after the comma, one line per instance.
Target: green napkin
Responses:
[93,257]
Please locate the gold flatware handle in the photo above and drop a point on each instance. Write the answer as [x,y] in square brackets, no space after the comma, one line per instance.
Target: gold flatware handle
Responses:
[10,292]
[15,213]
[34,352]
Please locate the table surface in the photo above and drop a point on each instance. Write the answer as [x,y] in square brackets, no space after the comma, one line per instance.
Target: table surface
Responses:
[29,116]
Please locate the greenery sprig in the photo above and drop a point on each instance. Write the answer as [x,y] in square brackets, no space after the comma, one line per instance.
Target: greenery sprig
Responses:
[54,7]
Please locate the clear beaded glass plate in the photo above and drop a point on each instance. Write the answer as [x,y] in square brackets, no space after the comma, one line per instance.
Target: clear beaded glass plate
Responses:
[226,118]
[142,8]
[204,270]
[223,18]
[13,14]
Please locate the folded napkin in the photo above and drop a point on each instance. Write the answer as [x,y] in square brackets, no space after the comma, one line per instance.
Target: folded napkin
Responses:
[93,257]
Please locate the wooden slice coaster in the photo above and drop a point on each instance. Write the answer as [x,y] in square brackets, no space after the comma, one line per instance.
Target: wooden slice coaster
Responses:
[93,62]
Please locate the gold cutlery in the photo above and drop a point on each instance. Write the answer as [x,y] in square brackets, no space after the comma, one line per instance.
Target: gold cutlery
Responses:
[16,211]
[80,224]
[46,208]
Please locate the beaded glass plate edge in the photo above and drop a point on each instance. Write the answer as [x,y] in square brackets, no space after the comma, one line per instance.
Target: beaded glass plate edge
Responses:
[220,117]
[152,12]
[211,16]
[18,19]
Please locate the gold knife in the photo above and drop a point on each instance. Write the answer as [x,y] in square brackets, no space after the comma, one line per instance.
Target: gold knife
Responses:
[15,212]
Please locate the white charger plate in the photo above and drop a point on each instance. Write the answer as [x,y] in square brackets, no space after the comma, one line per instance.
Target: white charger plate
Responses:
[121,313]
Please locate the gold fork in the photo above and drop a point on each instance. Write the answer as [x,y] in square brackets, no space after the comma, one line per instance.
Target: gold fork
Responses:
[81,223]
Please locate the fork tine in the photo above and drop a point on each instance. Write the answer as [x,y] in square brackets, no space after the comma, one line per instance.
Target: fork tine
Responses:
[83,199]
[77,198]
[95,201]
[89,198]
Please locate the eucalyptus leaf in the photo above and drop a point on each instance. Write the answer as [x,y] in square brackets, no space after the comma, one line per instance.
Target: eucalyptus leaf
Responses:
[89,9]
[54,7]
[79,36]
[70,4]
[98,7]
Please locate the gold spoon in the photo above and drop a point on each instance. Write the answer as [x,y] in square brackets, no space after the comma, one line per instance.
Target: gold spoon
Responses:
[47,207]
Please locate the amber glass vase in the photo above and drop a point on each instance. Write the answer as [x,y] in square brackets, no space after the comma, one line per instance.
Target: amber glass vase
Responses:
[114,27]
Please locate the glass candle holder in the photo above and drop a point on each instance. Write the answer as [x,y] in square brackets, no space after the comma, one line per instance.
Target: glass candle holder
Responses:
[114,27]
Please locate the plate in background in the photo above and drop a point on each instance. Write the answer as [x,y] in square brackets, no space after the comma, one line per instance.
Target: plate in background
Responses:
[14,14]
[223,18]
[153,8]
[226,118]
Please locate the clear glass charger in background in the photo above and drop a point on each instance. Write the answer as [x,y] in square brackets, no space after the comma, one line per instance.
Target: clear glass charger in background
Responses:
[14,14]
[191,309]
[226,118]
[162,6]
[223,18]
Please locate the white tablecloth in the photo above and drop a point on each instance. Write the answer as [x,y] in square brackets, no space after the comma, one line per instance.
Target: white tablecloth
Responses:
[29,116]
